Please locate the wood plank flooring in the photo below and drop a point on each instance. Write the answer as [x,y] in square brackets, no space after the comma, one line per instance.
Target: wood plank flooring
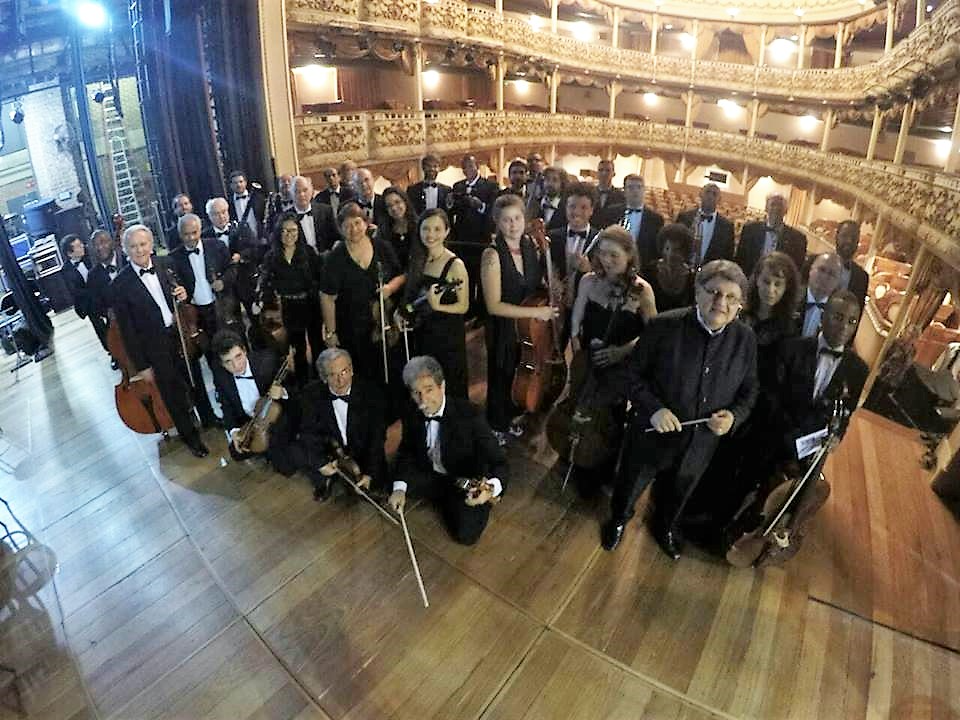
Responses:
[214,589]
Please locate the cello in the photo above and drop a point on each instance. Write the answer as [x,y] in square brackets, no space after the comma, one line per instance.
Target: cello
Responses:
[541,372]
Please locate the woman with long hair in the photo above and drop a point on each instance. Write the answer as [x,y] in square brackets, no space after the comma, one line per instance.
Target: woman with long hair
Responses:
[771,303]
[671,277]
[439,320]
[401,226]
[511,270]
[291,272]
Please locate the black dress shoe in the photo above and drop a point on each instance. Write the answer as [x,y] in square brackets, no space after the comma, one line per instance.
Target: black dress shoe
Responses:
[611,534]
[196,447]
[670,542]
[322,489]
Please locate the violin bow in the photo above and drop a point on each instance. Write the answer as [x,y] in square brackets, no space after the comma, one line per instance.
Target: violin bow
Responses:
[172,277]
[383,323]
[359,490]
[413,559]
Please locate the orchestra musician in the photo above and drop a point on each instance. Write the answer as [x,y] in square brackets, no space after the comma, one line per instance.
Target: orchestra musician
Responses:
[446,438]
[428,193]
[335,193]
[144,304]
[346,408]
[439,330]
[762,238]
[692,364]
[316,220]
[109,261]
[291,272]
[714,230]
[349,290]
[571,244]
[243,249]
[613,304]
[550,207]
[348,176]
[280,202]
[248,204]
[242,377]
[607,194]
[470,204]
[535,179]
[853,278]
[76,275]
[517,177]
[400,225]
[368,199]
[671,277]
[511,271]
[181,204]
[643,222]
[826,273]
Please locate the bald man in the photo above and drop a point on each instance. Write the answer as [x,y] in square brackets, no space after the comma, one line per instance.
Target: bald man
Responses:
[758,239]
[316,219]
[245,250]
[826,274]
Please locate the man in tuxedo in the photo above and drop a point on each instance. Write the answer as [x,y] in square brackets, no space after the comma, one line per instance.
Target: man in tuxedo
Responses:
[243,249]
[76,274]
[550,208]
[317,220]
[471,203]
[241,378]
[335,194]
[607,194]
[369,200]
[571,245]
[143,300]
[825,275]
[692,363]
[109,262]
[715,231]
[248,204]
[446,438]
[181,205]
[758,239]
[279,203]
[348,175]
[535,179]
[345,409]
[853,277]
[428,194]
[643,222]
[813,372]
[517,177]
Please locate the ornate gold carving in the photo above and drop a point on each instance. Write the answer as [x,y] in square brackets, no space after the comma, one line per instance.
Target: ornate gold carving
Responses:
[444,19]
[391,12]
[393,134]
[318,11]
[319,143]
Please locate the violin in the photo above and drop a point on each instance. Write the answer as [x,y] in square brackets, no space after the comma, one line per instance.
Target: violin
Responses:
[193,340]
[475,486]
[254,437]
[412,311]
[346,465]
[789,508]
[541,372]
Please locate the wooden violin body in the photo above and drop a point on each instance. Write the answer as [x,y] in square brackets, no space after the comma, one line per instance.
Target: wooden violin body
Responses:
[475,486]
[193,340]
[254,437]
[378,332]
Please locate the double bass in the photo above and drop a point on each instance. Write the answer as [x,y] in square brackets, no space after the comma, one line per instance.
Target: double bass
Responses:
[541,372]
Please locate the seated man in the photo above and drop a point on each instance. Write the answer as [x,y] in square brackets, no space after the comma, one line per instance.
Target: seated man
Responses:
[445,438]
[341,409]
[241,379]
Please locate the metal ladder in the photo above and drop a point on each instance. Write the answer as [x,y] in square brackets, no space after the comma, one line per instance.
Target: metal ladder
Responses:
[123,178]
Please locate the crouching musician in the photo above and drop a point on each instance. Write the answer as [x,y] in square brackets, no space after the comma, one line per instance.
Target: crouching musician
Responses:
[245,383]
[446,446]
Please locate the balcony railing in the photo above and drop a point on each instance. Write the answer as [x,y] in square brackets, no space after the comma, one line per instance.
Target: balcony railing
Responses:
[924,203]
[932,45]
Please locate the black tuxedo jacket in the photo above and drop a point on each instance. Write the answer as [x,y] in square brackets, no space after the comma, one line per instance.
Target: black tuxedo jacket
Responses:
[606,199]
[650,224]
[418,197]
[172,235]
[557,220]
[216,259]
[858,284]
[346,194]
[467,448]
[264,365]
[721,245]
[324,226]
[558,249]
[473,225]
[140,320]
[240,241]
[100,288]
[257,205]
[77,286]
[753,237]
[794,406]
[366,426]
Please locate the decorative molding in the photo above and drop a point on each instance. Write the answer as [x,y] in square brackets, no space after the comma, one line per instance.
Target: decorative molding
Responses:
[932,47]
[923,203]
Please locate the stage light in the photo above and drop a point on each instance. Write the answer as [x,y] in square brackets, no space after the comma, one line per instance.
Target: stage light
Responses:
[809,122]
[651,98]
[99,96]
[582,31]
[16,115]
[929,8]
[733,11]
[781,49]
[522,86]
[536,22]
[942,147]
[687,41]
[91,14]
[729,107]
[799,12]
[431,79]
[946,128]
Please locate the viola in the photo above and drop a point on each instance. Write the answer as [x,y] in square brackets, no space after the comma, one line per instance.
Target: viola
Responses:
[541,372]
[193,340]
[254,436]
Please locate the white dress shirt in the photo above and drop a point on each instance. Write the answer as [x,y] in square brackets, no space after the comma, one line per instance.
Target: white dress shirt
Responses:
[471,188]
[576,245]
[769,241]
[202,292]
[845,274]
[549,207]
[152,283]
[335,199]
[827,365]
[309,229]
[707,226]
[811,315]
[114,263]
[81,268]
[341,411]
[223,235]
[431,196]
[634,220]
[240,206]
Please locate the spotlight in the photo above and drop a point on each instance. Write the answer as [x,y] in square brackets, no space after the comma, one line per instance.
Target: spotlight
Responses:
[16,115]
[99,97]
[91,14]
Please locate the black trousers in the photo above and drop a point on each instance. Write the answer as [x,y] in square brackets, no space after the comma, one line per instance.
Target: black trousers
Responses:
[100,328]
[464,523]
[304,322]
[278,449]
[170,375]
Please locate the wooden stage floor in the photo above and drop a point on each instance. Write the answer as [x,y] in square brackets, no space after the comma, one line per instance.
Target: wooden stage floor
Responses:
[205,589]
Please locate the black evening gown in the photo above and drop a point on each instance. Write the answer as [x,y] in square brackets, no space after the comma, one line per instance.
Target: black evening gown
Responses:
[443,336]
[668,300]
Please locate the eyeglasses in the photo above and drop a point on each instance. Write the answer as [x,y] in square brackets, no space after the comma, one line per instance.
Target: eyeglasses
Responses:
[728,298]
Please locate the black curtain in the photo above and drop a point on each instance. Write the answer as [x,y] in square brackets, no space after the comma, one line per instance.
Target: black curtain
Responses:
[23,292]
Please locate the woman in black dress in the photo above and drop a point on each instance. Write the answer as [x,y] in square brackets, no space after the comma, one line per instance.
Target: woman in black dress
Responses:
[611,308]
[401,230]
[438,328]
[671,277]
[511,270]
[291,272]
[349,287]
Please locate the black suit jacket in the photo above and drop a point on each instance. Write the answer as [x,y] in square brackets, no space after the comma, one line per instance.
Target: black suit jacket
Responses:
[264,365]
[257,204]
[858,284]
[467,448]
[77,286]
[366,426]
[139,318]
[614,196]
[558,249]
[794,406]
[418,198]
[324,226]
[721,245]
[474,225]
[752,240]
[650,224]
[557,220]
[216,259]
[346,194]
[100,288]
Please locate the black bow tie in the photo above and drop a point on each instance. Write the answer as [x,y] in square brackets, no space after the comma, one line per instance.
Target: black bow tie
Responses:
[110,268]
[151,270]
[767,228]
[221,233]
[302,215]
[431,419]
[244,377]
[634,210]
[582,234]
[707,218]
[241,197]
[429,184]
[820,305]
[195,251]
[77,263]
[344,398]
[831,352]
